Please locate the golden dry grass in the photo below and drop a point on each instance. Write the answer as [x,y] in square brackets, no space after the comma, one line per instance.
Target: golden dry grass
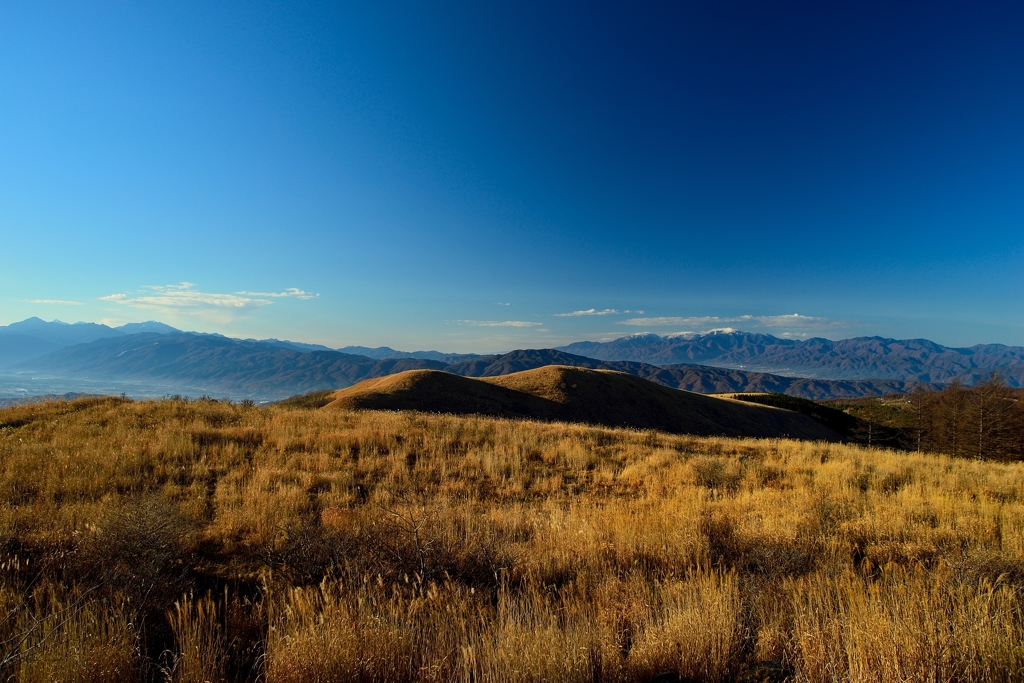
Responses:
[195,541]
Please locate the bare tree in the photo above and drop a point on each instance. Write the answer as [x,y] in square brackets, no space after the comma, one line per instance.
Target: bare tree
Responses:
[920,401]
[991,418]
[951,415]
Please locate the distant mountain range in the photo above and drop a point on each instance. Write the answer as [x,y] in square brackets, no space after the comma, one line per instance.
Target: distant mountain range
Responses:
[698,378]
[270,369]
[219,364]
[908,360]
[385,352]
[33,337]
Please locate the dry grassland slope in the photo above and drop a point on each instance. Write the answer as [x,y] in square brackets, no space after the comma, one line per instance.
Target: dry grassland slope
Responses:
[568,394]
[180,541]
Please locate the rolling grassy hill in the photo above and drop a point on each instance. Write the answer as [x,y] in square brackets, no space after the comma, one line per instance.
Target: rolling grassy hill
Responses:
[569,394]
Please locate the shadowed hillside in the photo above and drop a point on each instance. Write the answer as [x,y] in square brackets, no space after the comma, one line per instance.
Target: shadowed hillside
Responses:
[567,394]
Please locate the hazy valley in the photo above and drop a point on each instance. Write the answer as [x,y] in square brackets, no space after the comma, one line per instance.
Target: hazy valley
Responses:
[69,358]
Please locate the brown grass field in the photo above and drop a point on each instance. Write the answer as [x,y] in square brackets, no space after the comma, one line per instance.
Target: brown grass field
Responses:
[204,541]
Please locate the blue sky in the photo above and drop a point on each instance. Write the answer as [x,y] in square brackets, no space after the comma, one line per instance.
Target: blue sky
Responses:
[464,175]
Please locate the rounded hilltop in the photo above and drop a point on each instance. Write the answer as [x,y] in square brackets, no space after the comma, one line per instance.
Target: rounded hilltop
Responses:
[569,394]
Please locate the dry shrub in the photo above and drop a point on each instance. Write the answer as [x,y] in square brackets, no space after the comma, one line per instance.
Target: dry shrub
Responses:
[307,551]
[139,549]
[716,473]
[720,529]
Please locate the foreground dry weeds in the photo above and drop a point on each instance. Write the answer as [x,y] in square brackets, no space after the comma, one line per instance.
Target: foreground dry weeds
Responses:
[201,541]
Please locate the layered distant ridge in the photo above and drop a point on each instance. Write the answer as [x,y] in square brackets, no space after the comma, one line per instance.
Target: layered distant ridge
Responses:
[159,355]
[860,358]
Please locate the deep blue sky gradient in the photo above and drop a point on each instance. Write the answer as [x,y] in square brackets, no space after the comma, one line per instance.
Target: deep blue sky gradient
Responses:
[419,165]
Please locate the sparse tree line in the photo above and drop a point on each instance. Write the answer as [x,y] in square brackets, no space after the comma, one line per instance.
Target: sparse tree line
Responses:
[984,421]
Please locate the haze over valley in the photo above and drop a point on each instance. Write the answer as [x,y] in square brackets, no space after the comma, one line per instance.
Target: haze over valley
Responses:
[154,359]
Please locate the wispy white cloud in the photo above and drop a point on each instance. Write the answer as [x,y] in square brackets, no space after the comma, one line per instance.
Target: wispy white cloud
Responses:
[797,320]
[792,321]
[594,311]
[290,292]
[184,299]
[674,321]
[183,296]
[53,302]
[503,303]
[589,311]
[499,323]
